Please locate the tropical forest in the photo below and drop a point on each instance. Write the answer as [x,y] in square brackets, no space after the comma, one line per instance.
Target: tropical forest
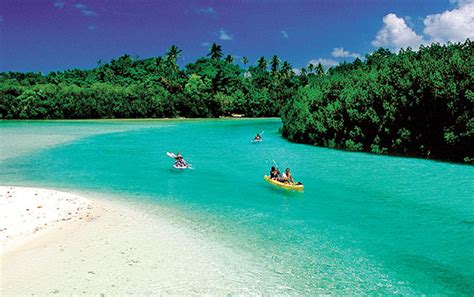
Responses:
[416,103]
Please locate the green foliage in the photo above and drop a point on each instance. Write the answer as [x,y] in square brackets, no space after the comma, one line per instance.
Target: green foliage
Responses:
[128,87]
[411,103]
[415,103]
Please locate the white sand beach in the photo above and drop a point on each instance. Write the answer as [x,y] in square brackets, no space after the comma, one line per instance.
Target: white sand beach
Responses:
[60,243]
[29,215]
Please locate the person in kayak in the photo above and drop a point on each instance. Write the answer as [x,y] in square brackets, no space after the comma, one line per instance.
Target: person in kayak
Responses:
[287,177]
[257,137]
[278,176]
[179,160]
[274,173]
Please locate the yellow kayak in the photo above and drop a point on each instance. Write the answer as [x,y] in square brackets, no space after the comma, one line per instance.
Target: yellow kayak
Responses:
[293,187]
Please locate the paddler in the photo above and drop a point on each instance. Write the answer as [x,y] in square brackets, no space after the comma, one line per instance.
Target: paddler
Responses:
[287,177]
[179,159]
[273,173]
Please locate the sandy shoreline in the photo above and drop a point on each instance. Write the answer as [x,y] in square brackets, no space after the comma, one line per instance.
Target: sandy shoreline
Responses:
[29,214]
[73,245]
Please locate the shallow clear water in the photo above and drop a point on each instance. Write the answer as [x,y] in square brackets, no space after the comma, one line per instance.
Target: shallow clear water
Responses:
[364,223]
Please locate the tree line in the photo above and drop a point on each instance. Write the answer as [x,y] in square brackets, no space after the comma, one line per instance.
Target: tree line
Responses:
[415,103]
[157,87]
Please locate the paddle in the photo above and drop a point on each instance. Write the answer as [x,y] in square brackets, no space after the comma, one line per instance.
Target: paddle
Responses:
[276,165]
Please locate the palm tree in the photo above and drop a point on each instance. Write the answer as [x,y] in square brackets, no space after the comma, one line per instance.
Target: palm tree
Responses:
[215,51]
[303,71]
[229,59]
[245,61]
[173,54]
[262,63]
[158,61]
[286,68]
[320,70]
[357,63]
[274,63]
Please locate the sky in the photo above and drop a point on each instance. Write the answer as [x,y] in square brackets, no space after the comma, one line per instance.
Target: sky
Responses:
[55,35]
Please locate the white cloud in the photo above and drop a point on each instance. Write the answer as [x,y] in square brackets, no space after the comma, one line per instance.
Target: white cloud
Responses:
[451,25]
[339,52]
[225,36]
[396,34]
[59,4]
[296,71]
[205,44]
[454,25]
[284,33]
[324,62]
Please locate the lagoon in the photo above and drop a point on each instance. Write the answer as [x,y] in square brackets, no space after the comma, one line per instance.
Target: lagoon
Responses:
[365,224]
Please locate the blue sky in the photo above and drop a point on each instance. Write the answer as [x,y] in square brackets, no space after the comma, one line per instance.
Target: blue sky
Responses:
[46,35]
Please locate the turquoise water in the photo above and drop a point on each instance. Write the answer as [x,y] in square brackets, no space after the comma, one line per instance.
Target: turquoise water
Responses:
[364,223]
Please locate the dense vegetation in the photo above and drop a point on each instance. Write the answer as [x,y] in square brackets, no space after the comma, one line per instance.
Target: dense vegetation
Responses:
[418,103]
[156,87]
[411,103]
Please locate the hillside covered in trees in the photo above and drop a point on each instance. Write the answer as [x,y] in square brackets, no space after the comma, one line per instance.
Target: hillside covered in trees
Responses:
[416,103]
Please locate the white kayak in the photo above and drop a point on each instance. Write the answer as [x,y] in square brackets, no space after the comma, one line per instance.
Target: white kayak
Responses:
[180,166]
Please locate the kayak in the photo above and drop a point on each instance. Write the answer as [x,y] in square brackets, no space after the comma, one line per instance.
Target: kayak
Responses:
[176,165]
[180,167]
[258,140]
[285,186]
